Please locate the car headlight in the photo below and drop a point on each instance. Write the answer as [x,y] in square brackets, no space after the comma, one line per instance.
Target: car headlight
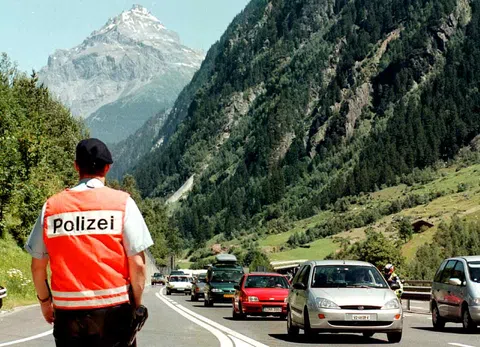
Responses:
[391,305]
[325,303]
[216,290]
[252,299]
[476,302]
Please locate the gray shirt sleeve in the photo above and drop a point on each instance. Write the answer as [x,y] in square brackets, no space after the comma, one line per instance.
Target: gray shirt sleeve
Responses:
[136,236]
[35,244]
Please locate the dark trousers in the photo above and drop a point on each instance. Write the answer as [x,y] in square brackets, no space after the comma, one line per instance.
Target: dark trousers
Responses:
[103,327]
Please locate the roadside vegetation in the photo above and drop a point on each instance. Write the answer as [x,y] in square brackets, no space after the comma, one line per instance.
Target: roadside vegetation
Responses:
[377,227]
[15,274]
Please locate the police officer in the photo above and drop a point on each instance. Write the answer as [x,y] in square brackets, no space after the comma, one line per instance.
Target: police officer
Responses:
[94,238]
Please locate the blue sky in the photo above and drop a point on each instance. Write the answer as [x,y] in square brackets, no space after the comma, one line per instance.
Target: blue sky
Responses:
[31,30]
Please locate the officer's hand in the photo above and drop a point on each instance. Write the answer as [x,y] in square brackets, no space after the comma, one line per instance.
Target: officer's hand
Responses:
[47,311]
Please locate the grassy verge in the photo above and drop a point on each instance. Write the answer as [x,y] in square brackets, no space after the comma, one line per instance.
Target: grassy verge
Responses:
[318,250]
[15,275]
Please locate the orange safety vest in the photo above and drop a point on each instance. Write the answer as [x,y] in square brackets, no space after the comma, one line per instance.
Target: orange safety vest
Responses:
[83,233]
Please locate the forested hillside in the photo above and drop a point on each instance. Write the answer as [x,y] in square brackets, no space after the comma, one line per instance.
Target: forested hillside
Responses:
[37,147]
[310,101]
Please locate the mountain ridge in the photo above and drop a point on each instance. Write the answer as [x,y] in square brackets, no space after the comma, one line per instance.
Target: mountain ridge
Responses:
[132,62]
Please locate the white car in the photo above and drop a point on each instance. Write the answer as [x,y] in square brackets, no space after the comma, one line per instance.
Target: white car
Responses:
[179,284]
[3,294]
[343,296]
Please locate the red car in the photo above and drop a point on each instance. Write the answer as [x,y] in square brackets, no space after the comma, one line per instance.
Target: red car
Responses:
[261,294]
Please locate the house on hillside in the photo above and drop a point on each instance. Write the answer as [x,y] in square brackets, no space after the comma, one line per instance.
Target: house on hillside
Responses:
[421,225]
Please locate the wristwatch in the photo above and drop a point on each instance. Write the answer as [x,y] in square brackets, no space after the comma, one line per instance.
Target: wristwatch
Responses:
[43,300]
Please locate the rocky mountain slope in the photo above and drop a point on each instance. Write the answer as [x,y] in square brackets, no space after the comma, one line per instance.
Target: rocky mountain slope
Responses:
[122,74]
[306,102]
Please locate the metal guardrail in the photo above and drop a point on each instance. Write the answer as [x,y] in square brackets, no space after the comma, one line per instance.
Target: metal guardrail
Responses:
[417,291]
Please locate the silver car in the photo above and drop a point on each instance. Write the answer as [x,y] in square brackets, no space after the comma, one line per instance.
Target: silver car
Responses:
[343,296]
[456,293]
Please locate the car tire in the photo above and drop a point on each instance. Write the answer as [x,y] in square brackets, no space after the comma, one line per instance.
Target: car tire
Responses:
[307,329]
[1,303]
[193,298]
[437,321]
[238,315]
[282,317]
[292,330]
[395,337]
[368,335]
[467,321]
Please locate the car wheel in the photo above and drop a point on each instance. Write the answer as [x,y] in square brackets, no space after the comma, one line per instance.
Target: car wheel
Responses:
[282,317]
[437,321]
[237,315]
[368,334]
[292,330]
[1,303]
[307,329]
[152,283]
[395,337]
[193,297]
[467,322]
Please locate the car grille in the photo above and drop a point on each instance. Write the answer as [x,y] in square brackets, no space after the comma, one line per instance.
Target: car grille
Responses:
[272,300]
[360,307]
[359,323]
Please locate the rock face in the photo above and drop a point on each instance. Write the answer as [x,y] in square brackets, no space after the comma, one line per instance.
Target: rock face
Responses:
[123,74]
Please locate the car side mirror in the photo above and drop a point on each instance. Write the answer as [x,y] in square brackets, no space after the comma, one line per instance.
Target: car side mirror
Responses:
[299,286]
[236,287]
[455,282]
[395,286]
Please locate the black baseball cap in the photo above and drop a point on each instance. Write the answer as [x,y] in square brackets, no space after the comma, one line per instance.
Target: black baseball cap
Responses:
[91,153]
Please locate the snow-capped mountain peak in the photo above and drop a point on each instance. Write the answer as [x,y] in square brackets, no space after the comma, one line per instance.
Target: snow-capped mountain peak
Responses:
[137,23]
[132,67]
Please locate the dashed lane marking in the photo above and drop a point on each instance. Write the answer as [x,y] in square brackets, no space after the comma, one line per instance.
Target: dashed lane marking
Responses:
[15,342]
[459,344]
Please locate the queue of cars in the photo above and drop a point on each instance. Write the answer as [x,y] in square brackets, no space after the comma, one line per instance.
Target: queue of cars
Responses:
[337,296]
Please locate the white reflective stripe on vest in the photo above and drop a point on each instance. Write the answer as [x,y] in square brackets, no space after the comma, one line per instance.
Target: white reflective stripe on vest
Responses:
[90,293]
[92,303]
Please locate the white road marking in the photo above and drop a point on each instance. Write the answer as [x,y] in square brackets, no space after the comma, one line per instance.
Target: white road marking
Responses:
[239,343]
[218,326]
[222,338]
[459,344]
[26,339]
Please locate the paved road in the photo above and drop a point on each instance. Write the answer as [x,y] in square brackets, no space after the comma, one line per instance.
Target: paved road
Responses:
[175,321]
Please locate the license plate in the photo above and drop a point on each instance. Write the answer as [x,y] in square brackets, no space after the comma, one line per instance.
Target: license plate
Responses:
[228,296]
[272,309]
[361,317]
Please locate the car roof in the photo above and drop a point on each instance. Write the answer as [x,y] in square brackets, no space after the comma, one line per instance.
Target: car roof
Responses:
[467,258]
[338,262]
[264,274]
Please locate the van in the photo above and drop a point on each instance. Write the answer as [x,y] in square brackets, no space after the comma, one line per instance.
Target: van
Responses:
[456,293]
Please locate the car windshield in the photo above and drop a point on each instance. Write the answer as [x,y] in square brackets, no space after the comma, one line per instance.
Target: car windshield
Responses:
[227,276]
[202,279]
[266,282]
[474,270]
[157,275]
[178,279]
[332,276]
